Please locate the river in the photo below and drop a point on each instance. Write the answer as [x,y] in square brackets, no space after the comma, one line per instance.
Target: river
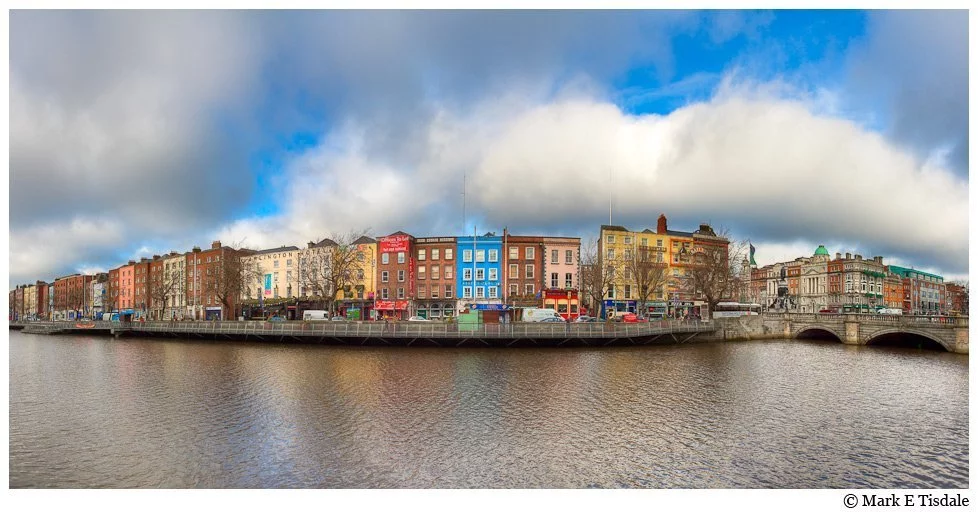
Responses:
[90,411]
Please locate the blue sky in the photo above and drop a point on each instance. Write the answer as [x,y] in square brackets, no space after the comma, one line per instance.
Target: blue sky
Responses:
[791,128]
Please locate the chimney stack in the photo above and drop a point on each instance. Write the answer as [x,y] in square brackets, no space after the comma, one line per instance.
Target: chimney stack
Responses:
[660,227]
[216,244]
[196,249]
[848,256]
[838,255]
[859,257]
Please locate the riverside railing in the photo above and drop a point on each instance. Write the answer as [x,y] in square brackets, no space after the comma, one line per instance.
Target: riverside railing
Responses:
[421,329]
[899,320]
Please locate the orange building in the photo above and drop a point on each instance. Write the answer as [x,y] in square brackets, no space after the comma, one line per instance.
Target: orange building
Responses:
[127,288]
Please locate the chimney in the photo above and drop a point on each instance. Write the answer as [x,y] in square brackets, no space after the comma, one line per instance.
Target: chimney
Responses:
[311,244]
[848,256]
[859,257]
[196,249]
[660,227]
[878,259]
[142,260]
[132,262]
[156,257]
[838,255]
[216,244]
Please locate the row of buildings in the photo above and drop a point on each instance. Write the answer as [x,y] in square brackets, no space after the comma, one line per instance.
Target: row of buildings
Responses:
[654,273]
[851,282]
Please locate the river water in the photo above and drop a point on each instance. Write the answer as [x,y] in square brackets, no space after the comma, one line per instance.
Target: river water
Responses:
[98,412]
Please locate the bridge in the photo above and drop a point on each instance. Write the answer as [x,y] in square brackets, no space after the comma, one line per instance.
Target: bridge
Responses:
[951,333]
[395,334]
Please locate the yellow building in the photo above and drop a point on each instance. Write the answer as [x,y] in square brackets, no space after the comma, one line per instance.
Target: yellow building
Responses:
[618,249]
[326,264]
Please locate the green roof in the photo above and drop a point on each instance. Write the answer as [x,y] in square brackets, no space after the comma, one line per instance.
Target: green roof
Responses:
[821,251]
[904,272]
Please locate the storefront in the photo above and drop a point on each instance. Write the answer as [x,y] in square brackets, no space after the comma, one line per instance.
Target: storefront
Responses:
[493,313]
[565,302]
[435,310]
[619,306]
[391,309]
[357,309]
[212,313]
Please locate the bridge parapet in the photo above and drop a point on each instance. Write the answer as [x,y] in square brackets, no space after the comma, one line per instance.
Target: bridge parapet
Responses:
[951,332]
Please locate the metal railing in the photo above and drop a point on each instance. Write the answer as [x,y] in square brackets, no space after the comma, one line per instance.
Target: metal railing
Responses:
[404,329]
[902,320]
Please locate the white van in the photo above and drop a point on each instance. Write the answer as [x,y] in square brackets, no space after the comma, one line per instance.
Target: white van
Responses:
[539,314]
[315,315]
[890,311]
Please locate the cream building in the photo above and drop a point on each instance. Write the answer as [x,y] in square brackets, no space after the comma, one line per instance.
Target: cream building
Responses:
[274,273]
[175,268]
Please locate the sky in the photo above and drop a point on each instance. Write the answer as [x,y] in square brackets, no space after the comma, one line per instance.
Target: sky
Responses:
[137,133]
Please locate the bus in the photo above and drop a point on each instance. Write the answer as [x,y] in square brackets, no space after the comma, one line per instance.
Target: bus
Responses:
[735,309]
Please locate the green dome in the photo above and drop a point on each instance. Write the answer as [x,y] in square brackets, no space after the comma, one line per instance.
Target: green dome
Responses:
[821,251]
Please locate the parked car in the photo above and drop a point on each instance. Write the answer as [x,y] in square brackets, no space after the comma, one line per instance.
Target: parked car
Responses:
[418,319]
[551,320]
[337,319]
[629,318]
[540,315]
[276,319]
[585,319]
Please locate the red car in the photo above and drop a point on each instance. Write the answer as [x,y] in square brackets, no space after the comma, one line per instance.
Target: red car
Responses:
[629,318]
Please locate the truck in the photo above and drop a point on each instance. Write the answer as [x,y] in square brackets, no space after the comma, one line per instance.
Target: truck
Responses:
[539,314]
[315,315]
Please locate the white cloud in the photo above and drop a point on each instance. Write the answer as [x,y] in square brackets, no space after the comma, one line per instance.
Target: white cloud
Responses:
[78,242]
[778,169]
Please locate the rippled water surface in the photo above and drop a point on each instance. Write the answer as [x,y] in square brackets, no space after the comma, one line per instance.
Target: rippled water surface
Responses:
[98,412]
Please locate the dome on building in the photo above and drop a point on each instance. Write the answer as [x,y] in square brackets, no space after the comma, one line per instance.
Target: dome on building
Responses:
[821,251]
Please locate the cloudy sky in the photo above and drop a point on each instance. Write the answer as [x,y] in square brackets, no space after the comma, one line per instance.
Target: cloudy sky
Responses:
[134,133]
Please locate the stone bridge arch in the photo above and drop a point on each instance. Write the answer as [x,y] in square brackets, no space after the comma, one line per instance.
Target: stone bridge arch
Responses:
[903,330]
[814,327]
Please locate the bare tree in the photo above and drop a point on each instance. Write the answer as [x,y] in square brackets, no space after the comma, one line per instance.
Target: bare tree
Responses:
[597,275]
[229,276]
[649,271]
[714,272]
[76,299]
[163,286]
[333,264]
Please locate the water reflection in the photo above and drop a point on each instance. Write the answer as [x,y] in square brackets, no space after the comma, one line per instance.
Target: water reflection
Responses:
[96,412]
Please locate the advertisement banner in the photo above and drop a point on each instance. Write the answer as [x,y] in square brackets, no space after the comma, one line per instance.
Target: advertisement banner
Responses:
[268,284]
[396,243]
[391,305]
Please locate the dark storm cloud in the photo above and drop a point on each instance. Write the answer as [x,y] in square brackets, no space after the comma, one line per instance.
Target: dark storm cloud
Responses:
[916,63]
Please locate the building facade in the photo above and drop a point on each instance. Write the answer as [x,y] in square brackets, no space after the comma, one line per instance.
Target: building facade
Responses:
[523,275]
[395,276]
[436,280]
[957,299]
[924,293]
[479,266]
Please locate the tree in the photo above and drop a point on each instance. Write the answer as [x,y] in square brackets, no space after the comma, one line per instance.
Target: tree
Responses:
[649,272]
[229,276]
[333,264]
[597,275]
[714,272]
[76,298]
[163,287]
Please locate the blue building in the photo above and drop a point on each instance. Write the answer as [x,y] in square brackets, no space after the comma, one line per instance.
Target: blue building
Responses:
[480,271]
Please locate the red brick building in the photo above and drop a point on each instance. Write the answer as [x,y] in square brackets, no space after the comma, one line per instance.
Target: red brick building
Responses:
[71,296]
[957,299]
[523,279]
[395,276]
[212,293]
[111,303]
[43,308]
[435,277]
[141,280]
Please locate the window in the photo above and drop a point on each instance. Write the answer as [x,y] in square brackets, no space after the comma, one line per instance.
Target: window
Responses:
[383,293]
[568,280]
[528,289]
[568,257]
[466,255]
[466,274]
[435,254]
[610,239]
[208,261]
[480,256]
[514,271]
[400,276]
[553,256]
[480,292]
[421,254]
[448,291]
[628,254]
[628,273]
[514,253]
[628,291]
[421,291]
[530,254]
[434,271]
[275,264]
[400,257]
[628,240]
[385,258]
[421,273]
[466,292]
[529,271]
[514,289]
[611,291]
[448,254]
[493,292]
[288,275]
[383,277]
[448,271]
[434,291]
[493,274]
[493,255]
[554,277]
[480,274]
[645,242]
[400,293]
[359,274]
